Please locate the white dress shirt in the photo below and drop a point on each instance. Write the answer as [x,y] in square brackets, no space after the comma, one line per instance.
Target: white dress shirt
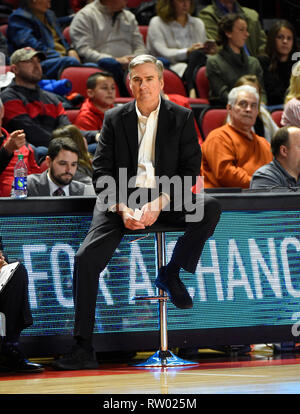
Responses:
[53,187]
[147,128]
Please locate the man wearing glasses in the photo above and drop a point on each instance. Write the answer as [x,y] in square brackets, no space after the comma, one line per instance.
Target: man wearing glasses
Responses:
[233,152]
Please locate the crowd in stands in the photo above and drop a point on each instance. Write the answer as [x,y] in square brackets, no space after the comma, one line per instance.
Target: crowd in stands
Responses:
[249,72]
[225,38]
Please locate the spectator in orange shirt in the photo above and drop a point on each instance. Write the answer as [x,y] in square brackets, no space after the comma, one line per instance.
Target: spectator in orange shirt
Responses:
[101,92]
[233,152]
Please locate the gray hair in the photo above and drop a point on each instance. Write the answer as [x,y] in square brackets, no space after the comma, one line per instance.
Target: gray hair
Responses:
[233,94]
[141,59]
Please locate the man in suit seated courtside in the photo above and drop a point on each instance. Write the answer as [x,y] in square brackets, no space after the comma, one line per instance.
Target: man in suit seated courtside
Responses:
[57,180]
[141,142]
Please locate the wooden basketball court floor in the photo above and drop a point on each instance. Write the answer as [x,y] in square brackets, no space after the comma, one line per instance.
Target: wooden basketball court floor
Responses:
[260,372]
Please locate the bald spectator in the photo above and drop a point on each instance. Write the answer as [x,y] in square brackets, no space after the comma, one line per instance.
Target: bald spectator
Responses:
[212,14]
[233,152]
[284,169]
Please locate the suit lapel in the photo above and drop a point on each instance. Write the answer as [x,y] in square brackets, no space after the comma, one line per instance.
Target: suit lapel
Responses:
[131,127]
[165,121]
[163,128]
[44,188]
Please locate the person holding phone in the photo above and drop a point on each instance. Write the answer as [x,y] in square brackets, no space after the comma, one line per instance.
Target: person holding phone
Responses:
[174,34]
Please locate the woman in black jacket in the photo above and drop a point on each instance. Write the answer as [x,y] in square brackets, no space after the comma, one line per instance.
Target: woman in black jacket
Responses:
[277,62]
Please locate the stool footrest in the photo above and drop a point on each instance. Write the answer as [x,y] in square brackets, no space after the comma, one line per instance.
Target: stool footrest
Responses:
[165,359]
[150,297]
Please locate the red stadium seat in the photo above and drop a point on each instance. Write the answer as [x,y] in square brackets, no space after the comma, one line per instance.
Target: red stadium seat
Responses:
[277,115]
[211,119]
[3,29]
[13,3]
[133,4]
[144,32]
[78,75]
[202,84]
[173,83]
[66,33]
[4,69]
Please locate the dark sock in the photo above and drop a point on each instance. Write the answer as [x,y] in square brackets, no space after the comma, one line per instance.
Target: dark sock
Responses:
[172,268]
[84,343]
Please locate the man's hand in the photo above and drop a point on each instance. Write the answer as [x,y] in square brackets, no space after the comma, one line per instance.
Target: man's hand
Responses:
[73,53]
[127,216]
[151,211]
[15,141]
[2,260]
[195,46]
[124,60]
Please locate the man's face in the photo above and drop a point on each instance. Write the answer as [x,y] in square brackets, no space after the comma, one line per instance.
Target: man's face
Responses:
[63,167]
[29,71]
[244,112]
[2,260]
[292,160]
[145,83]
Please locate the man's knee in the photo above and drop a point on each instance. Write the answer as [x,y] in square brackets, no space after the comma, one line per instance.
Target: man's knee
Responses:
[212,209]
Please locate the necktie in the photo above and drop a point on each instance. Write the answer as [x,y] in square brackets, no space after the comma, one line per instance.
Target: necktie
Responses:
[59,192]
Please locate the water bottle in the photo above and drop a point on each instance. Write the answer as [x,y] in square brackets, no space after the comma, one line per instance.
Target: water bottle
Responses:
[20,178]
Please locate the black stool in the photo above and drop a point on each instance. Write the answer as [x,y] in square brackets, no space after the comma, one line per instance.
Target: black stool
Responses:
[163,357]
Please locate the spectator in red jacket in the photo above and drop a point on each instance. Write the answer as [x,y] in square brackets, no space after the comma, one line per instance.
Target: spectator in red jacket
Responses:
[101,92]
[10,146]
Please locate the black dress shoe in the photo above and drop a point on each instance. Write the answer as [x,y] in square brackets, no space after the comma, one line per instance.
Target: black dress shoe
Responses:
[79,358]
[12,359]
[174,287]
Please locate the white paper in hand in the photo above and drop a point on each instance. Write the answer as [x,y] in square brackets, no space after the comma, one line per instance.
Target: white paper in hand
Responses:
[6,273]
[137,214]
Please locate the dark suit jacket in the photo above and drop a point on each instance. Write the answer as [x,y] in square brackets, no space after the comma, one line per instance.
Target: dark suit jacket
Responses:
[38,186]
[177,151]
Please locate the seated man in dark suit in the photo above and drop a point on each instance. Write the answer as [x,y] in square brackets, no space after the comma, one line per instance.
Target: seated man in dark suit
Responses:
[140,143]
[14,304]
[57,180]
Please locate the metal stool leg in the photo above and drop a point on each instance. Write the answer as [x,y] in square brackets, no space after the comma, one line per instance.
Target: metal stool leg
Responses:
[163,357]
[2,328]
